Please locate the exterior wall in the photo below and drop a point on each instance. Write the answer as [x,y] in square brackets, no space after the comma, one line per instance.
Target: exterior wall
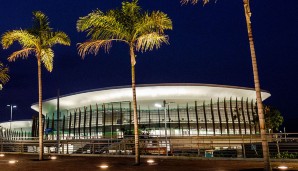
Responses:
[215,117]
[16,129]
[18,125]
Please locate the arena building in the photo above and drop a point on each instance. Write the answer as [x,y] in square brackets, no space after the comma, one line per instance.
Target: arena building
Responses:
[163,109]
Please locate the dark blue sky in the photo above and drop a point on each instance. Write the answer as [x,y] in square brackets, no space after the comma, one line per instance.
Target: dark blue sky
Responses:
[208,45]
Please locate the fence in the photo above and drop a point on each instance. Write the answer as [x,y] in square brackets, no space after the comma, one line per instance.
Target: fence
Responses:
[245,146]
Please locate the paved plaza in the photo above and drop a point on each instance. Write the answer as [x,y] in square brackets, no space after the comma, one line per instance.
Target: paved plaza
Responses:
[119,163]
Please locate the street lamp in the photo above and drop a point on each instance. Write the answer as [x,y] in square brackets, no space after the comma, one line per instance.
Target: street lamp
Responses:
[11,107]
[165,109]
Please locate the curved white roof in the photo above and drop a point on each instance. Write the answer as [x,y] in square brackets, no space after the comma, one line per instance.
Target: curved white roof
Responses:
[148,95]
[26,125]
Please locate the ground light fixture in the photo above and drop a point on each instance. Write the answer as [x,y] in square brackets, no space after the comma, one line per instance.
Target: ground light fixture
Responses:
[12,161]
[103,166]
[2,155]
[283,167]
[150,161]
[53,157]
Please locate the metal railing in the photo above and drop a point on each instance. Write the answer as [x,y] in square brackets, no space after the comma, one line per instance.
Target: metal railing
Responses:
[239,146]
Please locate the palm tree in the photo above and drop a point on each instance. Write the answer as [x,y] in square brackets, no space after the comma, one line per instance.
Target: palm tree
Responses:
[265,148]
[267,165]
[37,41]
[4,77]
[141,31]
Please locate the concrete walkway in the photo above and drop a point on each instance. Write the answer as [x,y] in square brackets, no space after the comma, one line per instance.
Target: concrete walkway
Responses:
[116,163]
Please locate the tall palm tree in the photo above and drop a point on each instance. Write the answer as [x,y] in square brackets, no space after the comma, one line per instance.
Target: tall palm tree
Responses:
[38,41]
[267,165]
[265,148]
[141,31]
[4,77]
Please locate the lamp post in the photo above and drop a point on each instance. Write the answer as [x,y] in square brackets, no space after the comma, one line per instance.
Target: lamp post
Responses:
[166,134]
[11,107]
[1,133]
[285,134]
[165,120]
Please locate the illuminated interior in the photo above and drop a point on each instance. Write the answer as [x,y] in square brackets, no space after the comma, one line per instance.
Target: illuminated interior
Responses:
[191,109]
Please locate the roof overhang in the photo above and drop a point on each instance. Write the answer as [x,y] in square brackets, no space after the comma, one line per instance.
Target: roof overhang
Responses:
[147,95]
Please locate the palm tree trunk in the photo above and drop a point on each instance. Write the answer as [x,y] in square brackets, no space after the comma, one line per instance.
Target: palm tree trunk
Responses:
[40,110]
[135,116]
[267,165]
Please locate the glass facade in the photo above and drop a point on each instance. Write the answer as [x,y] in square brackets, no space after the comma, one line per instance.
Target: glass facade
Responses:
[209,118]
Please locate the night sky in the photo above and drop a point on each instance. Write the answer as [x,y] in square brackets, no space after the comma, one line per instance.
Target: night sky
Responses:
[208,44]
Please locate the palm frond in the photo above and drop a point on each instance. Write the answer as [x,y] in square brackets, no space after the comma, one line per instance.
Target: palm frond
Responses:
[38,40]
[47,57]
[101,26]
[157,21]
[24,53]
[4,77]
[58,38]
[110,28]
[23,37]
[194,1]
[93,46]
[144,30]
[40,21]
[150,41]
[131,8]
[84,23]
